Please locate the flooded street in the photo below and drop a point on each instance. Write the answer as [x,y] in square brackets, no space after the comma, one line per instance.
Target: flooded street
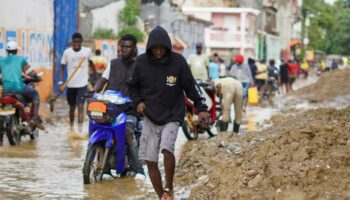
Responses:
[51,166]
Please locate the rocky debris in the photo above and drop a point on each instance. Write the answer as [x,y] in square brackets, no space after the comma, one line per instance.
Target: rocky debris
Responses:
[305,155]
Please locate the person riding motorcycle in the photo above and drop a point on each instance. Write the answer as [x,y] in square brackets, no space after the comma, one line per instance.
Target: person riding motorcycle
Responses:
[12,68]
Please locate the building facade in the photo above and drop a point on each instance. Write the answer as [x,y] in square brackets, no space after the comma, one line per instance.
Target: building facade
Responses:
[233,30]
[272,28]
[99,14]
[188,29]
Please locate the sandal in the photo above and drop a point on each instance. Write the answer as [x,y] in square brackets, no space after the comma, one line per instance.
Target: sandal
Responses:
[168,194]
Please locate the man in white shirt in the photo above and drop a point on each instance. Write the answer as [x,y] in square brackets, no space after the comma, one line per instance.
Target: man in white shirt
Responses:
[199,64]
[77,86]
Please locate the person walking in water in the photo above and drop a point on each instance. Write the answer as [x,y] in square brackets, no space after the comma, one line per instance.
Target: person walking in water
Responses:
[77,86]
[157,87]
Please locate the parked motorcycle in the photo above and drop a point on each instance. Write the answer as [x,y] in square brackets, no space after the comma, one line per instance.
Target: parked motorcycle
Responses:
[12,107]
[107,142]
[191,126]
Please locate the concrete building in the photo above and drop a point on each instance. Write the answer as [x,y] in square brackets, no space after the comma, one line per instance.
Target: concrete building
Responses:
[188,29]
[289,25]
[233,30]
[279,26]
[99,14]
[276,26]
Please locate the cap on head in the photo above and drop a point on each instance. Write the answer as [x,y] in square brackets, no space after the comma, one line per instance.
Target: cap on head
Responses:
[239,59]
[11,46]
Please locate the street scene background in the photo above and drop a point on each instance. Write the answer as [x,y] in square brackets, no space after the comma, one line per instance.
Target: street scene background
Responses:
[293,144]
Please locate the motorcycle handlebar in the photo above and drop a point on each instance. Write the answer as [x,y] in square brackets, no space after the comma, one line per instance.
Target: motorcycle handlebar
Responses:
[31,80]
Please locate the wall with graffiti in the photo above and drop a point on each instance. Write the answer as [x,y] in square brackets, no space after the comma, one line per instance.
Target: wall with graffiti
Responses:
[32,28]
[36,47]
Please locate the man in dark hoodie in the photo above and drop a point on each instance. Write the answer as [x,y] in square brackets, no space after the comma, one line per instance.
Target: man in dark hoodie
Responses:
[157,88]
[116,76]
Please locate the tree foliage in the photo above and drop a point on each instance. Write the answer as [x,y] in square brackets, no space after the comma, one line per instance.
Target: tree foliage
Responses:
[104,33]
[130,13]
[129,16]
[330,25]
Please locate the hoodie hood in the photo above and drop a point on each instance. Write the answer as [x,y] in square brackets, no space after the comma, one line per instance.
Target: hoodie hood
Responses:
[158,36]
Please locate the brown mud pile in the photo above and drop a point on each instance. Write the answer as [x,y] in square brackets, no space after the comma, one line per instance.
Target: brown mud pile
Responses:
[329,86]
[303,156]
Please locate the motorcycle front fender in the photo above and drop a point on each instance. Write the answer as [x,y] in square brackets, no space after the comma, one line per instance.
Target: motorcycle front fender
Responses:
[99,135]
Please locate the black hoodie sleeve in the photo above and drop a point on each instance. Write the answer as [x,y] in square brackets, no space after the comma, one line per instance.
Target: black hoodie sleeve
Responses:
[192,90]
[133,87]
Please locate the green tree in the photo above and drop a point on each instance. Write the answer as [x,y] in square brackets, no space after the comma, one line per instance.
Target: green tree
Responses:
[330,25]
[341,33]
[104,33]
[129,16]
[322,23]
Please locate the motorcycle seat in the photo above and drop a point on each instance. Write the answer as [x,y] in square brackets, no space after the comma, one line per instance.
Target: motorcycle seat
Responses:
[19,97]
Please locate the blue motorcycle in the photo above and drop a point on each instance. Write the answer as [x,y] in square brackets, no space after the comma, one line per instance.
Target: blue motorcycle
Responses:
[107,142]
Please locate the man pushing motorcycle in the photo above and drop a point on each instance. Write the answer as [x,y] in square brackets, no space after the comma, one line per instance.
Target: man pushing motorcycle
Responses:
[12,68]
[116,76]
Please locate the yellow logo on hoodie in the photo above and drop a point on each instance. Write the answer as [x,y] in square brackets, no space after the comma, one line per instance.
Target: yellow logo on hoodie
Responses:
[170,80]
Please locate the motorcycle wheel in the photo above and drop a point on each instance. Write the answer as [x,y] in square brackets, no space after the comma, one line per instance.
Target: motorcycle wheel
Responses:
[93,165]
[190,135]
[13,135]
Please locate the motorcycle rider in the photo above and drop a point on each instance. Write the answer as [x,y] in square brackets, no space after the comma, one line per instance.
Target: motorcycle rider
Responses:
[12,68]
[157,86]
[116,76]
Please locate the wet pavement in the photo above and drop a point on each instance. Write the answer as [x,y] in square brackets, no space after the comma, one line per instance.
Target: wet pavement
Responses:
[51,166]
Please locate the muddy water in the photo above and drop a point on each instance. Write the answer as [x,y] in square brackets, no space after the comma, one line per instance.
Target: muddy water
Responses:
[51,168]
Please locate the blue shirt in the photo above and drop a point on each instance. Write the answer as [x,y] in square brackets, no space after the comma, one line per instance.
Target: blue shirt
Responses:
[11,68]
[214,70]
